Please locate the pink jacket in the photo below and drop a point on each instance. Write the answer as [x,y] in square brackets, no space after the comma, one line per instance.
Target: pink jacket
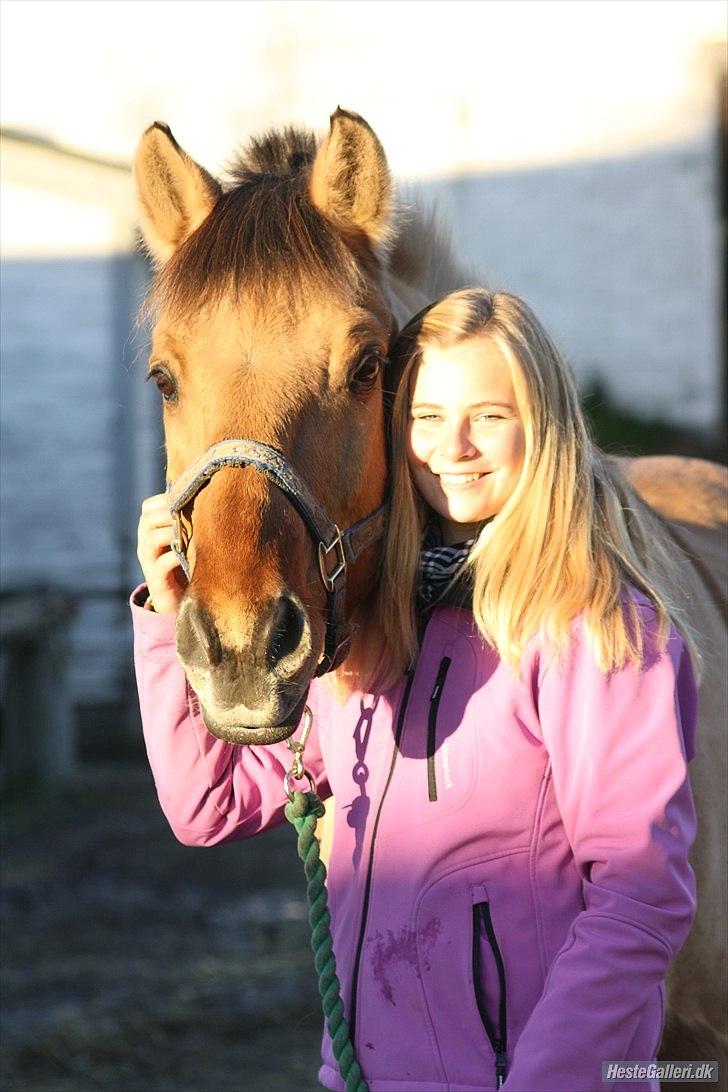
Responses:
[509,876]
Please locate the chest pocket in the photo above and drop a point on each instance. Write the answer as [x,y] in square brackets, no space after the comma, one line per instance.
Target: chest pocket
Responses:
[438,750]
[441,741]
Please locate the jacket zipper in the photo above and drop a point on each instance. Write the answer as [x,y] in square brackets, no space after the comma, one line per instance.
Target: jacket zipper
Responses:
[370,865]
[432,726]
[498,1041]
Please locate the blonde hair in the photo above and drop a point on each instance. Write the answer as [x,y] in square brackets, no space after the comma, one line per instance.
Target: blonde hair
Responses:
[566,542]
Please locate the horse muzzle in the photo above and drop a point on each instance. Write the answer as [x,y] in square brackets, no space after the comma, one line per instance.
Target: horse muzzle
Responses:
[335,549]
[253,691]
[264,735]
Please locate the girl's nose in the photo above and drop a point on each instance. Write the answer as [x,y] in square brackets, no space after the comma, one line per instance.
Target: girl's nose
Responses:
[457,443]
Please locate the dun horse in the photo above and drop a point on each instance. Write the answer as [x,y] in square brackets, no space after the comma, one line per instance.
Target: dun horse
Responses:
[274,303]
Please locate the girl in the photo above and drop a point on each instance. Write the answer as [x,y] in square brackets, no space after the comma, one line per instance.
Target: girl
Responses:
[509,875]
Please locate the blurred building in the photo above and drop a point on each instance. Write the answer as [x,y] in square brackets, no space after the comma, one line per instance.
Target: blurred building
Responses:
[80,438]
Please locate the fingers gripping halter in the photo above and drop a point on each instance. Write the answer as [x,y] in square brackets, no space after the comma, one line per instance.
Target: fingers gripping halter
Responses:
[336,549]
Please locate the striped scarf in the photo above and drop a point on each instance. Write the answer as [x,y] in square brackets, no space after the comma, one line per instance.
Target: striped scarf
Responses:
[439,564]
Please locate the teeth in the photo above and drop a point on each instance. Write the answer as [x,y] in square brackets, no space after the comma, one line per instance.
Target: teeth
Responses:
[459,479]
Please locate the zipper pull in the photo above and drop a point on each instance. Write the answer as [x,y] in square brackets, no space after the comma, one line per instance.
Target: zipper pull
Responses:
[500,1067]
[439,681]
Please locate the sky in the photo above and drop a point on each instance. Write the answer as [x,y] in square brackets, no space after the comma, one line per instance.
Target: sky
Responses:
[449,85]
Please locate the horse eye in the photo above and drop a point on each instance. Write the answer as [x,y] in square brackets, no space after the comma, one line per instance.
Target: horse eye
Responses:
[165,383]
[366,372]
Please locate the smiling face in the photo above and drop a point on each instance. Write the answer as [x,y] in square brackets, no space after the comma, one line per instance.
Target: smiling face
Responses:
[465,442]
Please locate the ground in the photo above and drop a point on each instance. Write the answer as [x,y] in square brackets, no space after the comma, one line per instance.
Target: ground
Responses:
[134,964]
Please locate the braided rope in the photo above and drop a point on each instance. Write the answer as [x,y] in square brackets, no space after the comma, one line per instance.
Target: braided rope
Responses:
[303,811]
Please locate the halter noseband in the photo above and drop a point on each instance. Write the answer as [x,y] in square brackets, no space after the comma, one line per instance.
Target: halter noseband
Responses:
[345,547]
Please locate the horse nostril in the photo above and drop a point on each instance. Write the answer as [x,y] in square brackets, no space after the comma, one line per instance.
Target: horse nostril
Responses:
[205,632]
[286,630]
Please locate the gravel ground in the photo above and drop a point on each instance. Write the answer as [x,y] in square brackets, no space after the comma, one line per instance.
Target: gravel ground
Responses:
[134,964]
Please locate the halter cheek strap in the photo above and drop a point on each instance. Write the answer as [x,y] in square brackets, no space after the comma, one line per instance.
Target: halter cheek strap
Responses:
[336,549]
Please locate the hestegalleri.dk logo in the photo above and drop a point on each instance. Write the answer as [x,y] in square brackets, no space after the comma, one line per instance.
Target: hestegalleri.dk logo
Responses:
[662,1071]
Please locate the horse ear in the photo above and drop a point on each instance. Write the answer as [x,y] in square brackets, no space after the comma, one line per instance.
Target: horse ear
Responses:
[350,180]
[174,194]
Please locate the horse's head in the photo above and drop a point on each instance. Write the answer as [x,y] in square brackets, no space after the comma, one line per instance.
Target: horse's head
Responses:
[272,324]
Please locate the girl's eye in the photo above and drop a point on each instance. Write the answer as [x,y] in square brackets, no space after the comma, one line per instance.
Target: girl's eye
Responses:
[366,372]
[166,384]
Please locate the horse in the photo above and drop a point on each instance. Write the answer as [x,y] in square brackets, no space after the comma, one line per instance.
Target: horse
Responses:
[274,303]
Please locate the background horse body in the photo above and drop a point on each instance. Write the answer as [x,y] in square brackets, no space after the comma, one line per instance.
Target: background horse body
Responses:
[275,303]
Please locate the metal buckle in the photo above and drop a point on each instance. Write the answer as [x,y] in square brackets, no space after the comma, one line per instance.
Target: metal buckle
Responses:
[323,551]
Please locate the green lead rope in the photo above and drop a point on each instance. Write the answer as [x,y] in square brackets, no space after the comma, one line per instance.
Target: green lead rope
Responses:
[303,812]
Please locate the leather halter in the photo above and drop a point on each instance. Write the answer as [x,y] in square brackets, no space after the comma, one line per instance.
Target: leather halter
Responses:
[344,546]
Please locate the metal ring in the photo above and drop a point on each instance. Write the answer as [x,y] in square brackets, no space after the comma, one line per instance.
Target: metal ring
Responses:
[290,776]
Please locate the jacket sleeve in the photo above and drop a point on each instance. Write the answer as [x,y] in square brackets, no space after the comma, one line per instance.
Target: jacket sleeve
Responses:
[210,791]
[619,745]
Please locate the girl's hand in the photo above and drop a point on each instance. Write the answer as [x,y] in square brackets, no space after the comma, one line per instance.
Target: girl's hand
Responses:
[161,568]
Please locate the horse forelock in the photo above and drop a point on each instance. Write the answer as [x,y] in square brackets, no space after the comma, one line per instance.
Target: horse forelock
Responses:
[264,236]
[260,238]
[283,153]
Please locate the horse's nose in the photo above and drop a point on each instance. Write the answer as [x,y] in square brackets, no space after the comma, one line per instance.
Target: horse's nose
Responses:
[285,631]
[199,639]
[277,641]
